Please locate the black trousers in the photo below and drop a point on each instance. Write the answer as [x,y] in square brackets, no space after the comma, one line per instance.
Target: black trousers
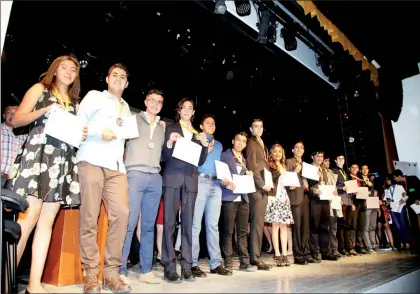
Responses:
[171,199]
[347,226]
[333,232]
[414,224]
[319,240]
[235,213]
[300,230]
[257,207]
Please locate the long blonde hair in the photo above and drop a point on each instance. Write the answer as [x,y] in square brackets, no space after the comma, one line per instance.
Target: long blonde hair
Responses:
[272,162]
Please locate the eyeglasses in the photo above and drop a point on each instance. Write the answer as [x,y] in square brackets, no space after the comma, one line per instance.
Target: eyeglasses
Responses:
[159,102]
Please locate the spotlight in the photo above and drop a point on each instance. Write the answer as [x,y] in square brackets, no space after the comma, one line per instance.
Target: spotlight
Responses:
[243,8]
[263,25]
[220,7]
[351,139]
[289,36]
[83,63]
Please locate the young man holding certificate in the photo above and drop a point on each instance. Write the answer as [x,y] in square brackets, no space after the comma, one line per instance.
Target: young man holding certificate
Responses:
[209,198]
[180,183]
[319,241]
[235,207]
[103,177]
[348,224]
[142,161]
[257,160]
[299,204]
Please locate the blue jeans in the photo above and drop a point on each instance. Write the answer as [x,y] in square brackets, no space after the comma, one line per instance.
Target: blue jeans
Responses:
[400,222]
[209,203]
[145,190]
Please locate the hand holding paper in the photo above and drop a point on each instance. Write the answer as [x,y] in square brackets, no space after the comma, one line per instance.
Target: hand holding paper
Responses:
[327,192]
[290,179]
[187,151]
[222,171]
[268,178]
[352,186]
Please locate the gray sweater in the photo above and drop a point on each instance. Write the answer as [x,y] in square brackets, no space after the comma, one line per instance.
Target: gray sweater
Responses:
[139,156]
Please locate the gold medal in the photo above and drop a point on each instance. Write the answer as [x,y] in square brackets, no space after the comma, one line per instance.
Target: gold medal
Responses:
[119,121]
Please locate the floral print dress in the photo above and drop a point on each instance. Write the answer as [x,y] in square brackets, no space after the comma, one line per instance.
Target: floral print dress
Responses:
[46,167]
[278,208]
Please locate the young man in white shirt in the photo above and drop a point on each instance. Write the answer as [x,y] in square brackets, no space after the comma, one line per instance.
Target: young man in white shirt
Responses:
[102,177]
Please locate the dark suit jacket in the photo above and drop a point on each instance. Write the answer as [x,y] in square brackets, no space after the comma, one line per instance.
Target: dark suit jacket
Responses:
[413,189]
[346,199]
[314,185]
[227,157]
[176,171]
[295,196]
[256,162]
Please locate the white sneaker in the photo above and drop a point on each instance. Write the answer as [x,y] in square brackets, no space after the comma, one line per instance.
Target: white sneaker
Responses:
[124,278]
[149,278]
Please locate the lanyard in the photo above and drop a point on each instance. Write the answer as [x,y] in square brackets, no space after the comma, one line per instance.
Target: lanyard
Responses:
[189,128]
[121,108]
[63,102]
[344,175]
[240,160]
[391,191]
[263,147]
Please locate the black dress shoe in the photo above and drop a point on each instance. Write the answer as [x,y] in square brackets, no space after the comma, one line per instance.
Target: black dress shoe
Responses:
[363,251]
[187,276]
[197,272]
[220,270]
[262,266]
[330,257]
[172,277]
[301,262]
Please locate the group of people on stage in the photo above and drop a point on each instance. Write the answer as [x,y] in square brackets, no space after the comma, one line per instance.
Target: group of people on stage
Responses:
[127,177]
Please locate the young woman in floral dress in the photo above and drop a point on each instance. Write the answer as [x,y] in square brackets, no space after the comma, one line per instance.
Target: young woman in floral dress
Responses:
[45,170]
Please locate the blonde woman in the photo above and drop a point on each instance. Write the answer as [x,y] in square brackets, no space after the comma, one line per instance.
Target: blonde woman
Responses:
[278,212]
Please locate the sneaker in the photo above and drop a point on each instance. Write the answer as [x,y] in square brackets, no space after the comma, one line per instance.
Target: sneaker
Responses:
[248,268]
[124,278]
[371,251]
[149,278]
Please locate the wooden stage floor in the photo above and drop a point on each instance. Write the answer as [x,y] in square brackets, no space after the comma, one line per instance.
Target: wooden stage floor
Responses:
[356,274]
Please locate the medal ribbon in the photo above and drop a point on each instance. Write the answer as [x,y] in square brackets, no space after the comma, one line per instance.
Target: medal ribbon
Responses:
[240,160]
[121,108]
[189,128]
[344,175]
[65,103]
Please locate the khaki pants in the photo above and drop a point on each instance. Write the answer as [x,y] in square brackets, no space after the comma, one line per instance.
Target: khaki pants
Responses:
[99,184]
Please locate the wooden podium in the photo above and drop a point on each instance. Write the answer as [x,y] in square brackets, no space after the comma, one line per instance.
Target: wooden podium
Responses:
[63,266]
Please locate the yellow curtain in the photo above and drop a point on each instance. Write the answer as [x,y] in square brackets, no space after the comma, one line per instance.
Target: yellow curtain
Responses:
[337,36]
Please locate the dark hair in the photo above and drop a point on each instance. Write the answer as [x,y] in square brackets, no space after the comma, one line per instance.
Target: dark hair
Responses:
[206,116]
[298,142]
[337,155]
[155,92]
[326,157]
[398,173]
[256,120]
[315,152]
[241,133]
[120,66]
[179,107]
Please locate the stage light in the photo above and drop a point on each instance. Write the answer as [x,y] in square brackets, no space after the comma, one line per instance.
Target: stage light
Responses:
[351,139]
[243,8]
[264,18]
[220,7]
[289,36]
[83,63]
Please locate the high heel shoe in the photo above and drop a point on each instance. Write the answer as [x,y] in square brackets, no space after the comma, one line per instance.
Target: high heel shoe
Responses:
[27,292]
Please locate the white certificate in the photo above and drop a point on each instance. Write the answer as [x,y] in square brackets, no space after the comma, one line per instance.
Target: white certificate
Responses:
[187,151]
[129,128]
[416,208]
[222,170]
[362,193]
[310,171]
[290,179]
[372,202]
[268,178]
[352,186]
[243,184]
[326,192]
[64,126]
[336,202]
